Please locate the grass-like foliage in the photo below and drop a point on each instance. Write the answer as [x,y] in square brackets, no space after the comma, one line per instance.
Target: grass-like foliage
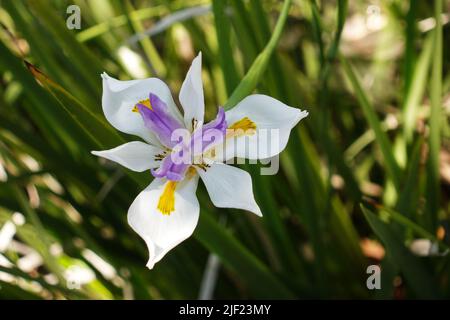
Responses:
[364,180]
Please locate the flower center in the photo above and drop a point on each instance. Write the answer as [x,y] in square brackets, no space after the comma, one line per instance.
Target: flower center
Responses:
[166,203]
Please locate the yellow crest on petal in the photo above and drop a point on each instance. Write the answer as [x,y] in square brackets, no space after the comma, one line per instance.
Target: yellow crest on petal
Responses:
[166,203]
[145,102]
[245,126]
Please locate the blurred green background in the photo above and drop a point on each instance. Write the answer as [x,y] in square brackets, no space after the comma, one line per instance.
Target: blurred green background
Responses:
[364,180]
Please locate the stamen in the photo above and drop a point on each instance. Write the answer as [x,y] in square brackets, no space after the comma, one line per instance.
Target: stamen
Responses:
[203,166]
[245,126]
[145,102]
[194,123]
[166,203]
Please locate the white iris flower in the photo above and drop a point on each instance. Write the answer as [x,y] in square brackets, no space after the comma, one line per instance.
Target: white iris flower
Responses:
[167,211]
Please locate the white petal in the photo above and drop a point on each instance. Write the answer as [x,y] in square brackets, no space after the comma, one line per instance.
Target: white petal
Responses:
[191,94]
[229,187]
[137,156]
[268,114]
[119,98]
[163,232]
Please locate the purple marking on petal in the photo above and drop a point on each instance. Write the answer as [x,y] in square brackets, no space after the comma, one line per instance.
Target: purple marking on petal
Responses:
[163,168]
[210,134]
[218,123]
[157,104]
[159,120]
[171,170]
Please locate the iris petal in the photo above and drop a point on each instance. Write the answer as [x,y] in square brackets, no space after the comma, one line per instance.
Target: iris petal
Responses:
[210,134]
[159,120]
[170,170]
